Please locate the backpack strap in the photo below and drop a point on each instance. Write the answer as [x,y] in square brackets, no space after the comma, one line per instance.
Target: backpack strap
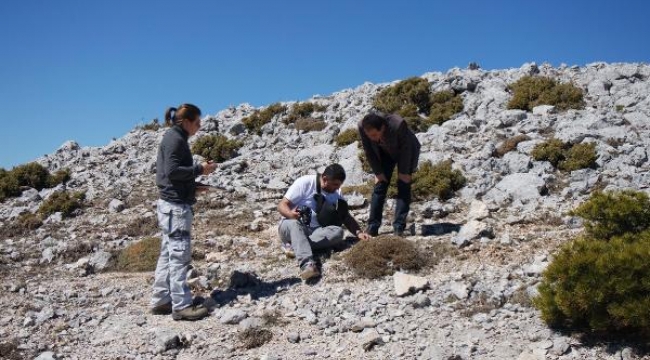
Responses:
[317,182]
[318,196]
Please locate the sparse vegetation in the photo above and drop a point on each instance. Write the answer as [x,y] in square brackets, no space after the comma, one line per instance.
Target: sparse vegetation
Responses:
[216,147]
[383,256]
[31,175]
[139,256]
[531,91]
[310,124]
[145,226]
[153,125]
[347,137]
[600,282]
[24,224]
[510,144]
[412,100]
[255,121]
[564,156]
[620,108]
[302,111]
[62,201]
[254,337]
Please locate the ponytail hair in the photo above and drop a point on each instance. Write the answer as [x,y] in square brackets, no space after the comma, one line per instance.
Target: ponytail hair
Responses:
[176,116]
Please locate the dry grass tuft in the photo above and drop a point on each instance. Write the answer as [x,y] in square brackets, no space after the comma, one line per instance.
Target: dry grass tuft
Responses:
[139,256]
[384,255]
[253,338]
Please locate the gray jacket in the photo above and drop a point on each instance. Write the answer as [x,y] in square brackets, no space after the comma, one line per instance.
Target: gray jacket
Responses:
[398,142]
[175,169]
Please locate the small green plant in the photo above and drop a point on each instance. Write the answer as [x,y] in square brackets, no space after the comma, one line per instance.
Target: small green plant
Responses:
[444,105]
[216,147]
[609,214]
[620,108]
[59,177]
[62,201]
[9,186]
[531,91]
[302,110]
[347,137]
[564,156]
[259,118]
[438,180]
[383,256]
[510,144]
[139,256]
[31,175]
[309,124]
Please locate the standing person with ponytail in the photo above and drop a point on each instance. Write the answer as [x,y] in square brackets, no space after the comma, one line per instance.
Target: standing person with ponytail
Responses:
[175,178]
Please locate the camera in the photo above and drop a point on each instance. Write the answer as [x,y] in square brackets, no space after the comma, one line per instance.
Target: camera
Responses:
[305,215]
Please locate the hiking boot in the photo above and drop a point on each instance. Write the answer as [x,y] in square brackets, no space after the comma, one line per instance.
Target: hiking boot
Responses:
[193,312]
[309,270]
[287,249]
[164,309]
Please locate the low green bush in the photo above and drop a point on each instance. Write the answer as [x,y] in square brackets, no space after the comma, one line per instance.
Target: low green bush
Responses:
[510,144]
[347,137]
[154,125]
[444,105]
[438,180]
[609,214]
[62,201]
[599,286]
[566,157]
[600,282]
[415,91]
[139,256]
[9,186]
[531,91]
[216,147]
[31,175]
[259,118]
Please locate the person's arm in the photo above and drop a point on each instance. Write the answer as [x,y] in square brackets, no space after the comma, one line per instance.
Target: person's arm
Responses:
[353,226]
[287,209]
[173,169]
[406,152]
[371,155]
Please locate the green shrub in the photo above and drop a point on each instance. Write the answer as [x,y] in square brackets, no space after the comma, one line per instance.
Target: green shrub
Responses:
[383,256]
[415,91]
[309,124]
[154,125]
[609,214]
[255,121]
[139,256]
[566,157]
[59,177]
[302,111]
[580,156]
[444,105]
[33,175]
[553,151]
[409,113]
[9,186]
[216,147]
[531,91]
[510,144]
[347,137]
[62,201]
[620,108]
[598,285]
[439,180]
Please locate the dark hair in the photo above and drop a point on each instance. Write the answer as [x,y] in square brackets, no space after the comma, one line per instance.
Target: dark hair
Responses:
[175,116]
[374,121]
[335,172]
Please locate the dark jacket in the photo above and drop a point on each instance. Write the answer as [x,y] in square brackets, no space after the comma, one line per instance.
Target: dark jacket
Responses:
[175,169]
[398,142]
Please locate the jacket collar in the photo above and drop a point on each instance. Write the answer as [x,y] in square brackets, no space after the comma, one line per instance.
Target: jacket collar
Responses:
[181,131]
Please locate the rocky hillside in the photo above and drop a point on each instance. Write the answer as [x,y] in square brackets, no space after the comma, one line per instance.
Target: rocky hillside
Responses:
[65,298]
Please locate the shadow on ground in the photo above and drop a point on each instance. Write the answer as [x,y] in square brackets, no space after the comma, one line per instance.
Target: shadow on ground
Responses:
[439,229]
[242,283]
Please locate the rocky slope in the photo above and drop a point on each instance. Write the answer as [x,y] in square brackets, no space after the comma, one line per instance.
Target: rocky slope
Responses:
[509,219]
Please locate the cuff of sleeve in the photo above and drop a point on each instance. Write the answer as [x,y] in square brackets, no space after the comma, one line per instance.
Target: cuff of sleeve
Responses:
[198,170]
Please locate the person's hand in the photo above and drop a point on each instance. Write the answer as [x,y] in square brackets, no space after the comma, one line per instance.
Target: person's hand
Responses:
[405,178]
[380,178]
[294,214]
[363,236]
[209,167]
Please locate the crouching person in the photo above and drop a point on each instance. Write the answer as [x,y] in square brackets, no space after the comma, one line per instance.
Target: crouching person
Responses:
[175,178]
[313,212]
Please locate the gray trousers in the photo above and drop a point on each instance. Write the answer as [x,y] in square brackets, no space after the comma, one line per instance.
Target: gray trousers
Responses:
[303,239]
[170,285]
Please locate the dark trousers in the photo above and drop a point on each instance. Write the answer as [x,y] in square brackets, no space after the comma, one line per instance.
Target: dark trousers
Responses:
[402,206]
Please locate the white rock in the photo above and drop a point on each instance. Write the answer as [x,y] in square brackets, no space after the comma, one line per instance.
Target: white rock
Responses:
[406,284]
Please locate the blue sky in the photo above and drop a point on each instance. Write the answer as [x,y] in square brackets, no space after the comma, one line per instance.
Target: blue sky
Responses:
[92,70]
